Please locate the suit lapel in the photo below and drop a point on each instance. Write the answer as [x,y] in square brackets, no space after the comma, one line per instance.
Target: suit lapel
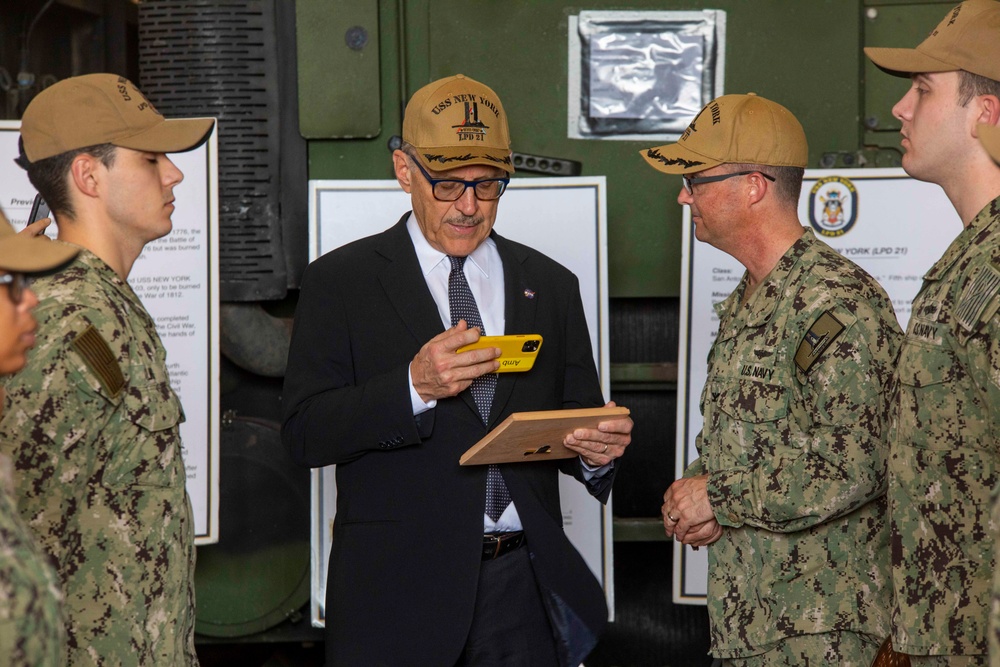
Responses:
[402,279]
[410,297]
[519,312]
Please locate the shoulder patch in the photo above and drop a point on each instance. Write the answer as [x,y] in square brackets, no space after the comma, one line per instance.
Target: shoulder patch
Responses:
[99,358]
[977,295]
[822,332]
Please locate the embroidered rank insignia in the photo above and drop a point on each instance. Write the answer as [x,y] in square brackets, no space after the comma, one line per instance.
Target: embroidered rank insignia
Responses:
[977,295]
[823,331]
[99,359]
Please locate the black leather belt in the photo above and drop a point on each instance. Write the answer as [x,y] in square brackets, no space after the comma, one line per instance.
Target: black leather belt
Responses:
[499,544]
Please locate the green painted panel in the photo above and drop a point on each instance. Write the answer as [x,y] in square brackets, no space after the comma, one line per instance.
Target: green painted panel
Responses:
[897,25]
[806,55]
[338,67]
[802,54]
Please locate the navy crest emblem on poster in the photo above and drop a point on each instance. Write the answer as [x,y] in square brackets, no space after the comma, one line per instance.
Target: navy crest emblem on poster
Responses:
[833,206]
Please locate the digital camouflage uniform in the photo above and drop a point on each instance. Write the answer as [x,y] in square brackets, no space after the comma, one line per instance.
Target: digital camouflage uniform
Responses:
[92,426]
[995,609]
[797,460]
[31,620]
[944,449]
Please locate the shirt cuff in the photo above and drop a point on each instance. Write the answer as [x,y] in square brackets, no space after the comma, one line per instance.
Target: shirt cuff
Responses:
[417,403]
[726,494]
[589,472]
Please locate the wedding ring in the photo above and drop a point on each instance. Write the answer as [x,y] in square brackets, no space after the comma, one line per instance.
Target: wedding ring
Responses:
[605,448]
[671,517]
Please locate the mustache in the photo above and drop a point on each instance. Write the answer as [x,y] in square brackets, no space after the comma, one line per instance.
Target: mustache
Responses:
[461,220]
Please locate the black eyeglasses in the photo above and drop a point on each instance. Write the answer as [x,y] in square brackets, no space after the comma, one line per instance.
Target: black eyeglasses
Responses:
[16,284]
[689,183]
[452,189]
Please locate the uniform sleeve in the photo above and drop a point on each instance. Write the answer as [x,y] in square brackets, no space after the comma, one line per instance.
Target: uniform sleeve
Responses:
[978,322]
[696,468]
[51,417]
[828,456]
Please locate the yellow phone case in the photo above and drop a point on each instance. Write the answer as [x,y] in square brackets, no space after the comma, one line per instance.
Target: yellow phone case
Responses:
[517,352]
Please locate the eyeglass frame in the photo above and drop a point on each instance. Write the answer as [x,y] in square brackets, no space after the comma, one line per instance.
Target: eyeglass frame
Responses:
[468,184]
[689,183]
[17,284]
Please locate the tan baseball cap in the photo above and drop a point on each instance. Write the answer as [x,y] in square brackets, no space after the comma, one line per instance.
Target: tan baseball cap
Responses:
[732,129]
[96,109]
[30,254]
[456,122]
[968,38]
[989,137]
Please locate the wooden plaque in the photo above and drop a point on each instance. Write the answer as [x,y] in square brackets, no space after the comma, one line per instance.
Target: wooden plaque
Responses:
[535,436]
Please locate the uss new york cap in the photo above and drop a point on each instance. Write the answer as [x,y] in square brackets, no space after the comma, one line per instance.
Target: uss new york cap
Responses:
[735,129]
[456,122]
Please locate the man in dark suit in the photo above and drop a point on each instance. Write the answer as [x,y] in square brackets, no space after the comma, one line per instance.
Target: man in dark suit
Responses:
[432,563]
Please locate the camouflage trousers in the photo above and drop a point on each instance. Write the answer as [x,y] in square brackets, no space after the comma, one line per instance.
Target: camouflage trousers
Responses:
[947,661]
[845,649]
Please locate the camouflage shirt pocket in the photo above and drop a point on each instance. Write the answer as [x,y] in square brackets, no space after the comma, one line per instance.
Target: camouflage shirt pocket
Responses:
[747,411]
[151,454]
[928,403]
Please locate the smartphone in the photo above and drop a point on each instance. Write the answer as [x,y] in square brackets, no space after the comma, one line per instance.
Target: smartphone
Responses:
[517,352]
[39,210]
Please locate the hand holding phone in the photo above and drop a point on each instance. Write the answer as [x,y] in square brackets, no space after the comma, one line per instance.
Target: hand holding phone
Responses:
[39,218]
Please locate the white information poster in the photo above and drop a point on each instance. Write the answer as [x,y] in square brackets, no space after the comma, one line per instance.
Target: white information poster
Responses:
[177,279]
[889,224]
[565,218]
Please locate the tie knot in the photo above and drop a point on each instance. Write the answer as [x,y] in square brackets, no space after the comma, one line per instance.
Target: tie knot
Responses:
[457,263]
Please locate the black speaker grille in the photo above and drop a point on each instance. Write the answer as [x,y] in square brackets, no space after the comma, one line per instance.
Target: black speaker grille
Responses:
[215,58]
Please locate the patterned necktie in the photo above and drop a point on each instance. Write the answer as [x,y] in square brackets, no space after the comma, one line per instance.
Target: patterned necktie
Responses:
[463,307]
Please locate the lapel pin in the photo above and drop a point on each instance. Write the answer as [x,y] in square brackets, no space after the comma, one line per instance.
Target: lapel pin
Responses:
[529,294]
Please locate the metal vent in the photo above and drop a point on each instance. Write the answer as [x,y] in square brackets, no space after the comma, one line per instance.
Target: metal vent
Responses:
[221,58]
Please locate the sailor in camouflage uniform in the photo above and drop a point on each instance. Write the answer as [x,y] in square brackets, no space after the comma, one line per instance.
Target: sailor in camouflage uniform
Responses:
[92,423]
[989,136]
[945,436]
[788,490]
[32,632]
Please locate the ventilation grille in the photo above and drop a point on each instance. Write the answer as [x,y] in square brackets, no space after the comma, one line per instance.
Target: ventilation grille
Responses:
[219,58]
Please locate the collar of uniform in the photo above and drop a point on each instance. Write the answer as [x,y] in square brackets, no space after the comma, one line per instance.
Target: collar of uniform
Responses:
[429,257]
[107,274]
[984,224]
[765,299]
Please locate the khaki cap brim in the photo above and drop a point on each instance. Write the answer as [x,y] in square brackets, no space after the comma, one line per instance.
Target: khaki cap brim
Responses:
[676,159]
[444,158]
[176,135]
[20,253]
[904,62]
[989,136]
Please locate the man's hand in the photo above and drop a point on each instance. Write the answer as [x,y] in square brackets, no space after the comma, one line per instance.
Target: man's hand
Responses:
[439,372]
[37,228]
[602,445]
[702,535]
[687,513]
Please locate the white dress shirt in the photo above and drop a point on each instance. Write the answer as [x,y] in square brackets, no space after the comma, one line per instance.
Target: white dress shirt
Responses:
[484,273]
